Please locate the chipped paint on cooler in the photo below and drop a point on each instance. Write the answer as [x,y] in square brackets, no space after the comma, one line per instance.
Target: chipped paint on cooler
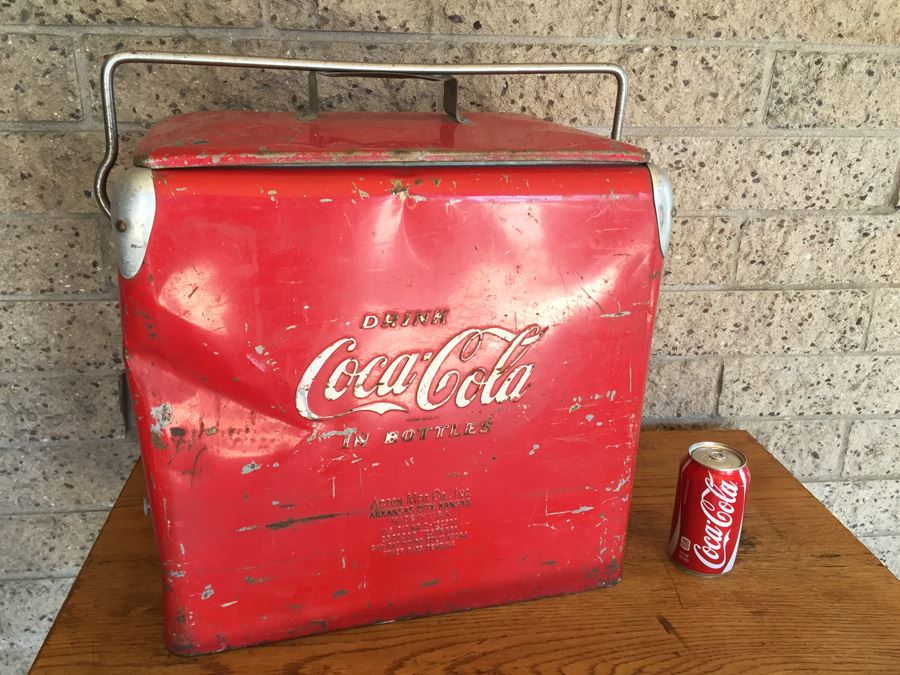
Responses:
[162,417]
[250,468]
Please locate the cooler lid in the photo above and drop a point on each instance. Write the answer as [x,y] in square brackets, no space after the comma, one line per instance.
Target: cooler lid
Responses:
[230,139]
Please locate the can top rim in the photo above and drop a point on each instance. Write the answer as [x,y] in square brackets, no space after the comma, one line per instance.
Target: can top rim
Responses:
[717,456]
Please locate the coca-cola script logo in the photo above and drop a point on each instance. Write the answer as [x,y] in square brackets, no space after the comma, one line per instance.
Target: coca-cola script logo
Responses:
[441,377]
[717,503]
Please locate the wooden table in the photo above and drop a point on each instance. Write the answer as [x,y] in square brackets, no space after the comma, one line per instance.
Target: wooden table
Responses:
[803,596]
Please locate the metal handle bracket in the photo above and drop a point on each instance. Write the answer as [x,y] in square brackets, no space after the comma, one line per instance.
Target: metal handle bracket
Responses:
[450,99]
[437,72]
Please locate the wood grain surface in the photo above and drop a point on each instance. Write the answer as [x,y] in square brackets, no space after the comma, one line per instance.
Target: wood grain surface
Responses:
[804,596]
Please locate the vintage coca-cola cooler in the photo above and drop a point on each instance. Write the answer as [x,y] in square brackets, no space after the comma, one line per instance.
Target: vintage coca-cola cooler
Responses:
[383,365]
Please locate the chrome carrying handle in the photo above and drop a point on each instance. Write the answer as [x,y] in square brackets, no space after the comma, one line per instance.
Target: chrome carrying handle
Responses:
[439,72]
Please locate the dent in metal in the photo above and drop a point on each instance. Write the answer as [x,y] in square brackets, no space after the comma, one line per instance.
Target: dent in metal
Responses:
[132,210]
[662,199]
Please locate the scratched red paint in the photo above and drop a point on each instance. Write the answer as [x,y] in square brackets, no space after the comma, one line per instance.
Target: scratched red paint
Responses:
[313,463]
[251,139]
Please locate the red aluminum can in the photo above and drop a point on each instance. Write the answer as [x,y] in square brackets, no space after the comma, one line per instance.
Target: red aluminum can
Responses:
[709,509]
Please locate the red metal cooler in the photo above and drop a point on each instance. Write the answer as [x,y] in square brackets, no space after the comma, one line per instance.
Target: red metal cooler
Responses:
[383,365]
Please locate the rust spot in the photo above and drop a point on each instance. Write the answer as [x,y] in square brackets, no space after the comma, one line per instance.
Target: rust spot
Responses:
[257,580]
[281,524]
[157,440]
[399,188]
[177,431]
[182,645]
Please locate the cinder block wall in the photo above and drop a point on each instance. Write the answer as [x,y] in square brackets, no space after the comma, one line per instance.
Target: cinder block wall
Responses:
[778,122]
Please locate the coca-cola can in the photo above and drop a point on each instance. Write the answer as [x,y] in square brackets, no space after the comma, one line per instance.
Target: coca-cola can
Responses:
[709,509]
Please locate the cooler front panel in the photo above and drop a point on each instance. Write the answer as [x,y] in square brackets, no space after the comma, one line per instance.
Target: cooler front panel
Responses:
[366,394]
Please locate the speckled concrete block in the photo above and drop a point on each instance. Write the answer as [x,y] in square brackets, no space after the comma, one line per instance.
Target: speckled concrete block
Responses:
[51,255]
[865,507]
[38,78]
[809,449]
[27,610]
[701,252]
[777,173]
[61,408]
[406,16]
[557,18]
[810,89]
[48,171]
[668,86]
[873,449]
[811,385]
[132,12]
[884,331]
[681,388]
[886,549]
[16,660]
[151,93]
[691,323]
[866,21]
[66,477]
[47,544]
[820,250]
[51,335]
[594,18]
